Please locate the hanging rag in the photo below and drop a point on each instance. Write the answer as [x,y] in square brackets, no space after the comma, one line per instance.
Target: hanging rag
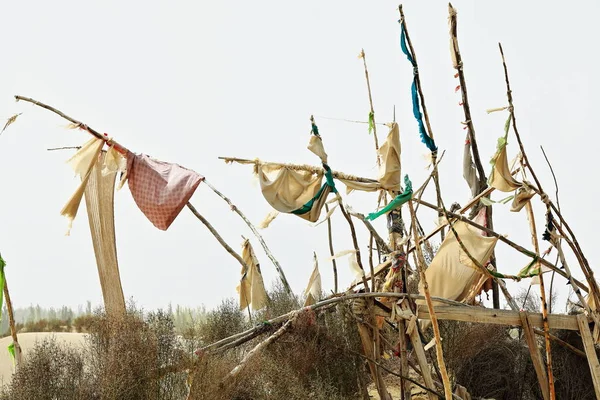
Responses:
[315,145]
[99,200]
[251,288]
[389,169]
[295,192]
[452,274]
[313,290]
[396,202]
[160,189]
[425,138]
[82,163]
[522,197]
[469,169]
[501,177]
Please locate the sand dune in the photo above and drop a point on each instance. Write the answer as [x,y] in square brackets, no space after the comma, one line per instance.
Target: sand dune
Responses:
[27,342]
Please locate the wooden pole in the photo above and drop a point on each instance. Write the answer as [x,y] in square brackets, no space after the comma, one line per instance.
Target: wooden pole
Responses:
[257,234]
[434,322]
[332,252]
[13,329]
[536,247]
[372,115]
[590,350]
[424,106]
[536,357]
[482,179]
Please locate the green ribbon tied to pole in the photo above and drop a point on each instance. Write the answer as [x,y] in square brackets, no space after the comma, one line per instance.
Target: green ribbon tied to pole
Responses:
[396,203]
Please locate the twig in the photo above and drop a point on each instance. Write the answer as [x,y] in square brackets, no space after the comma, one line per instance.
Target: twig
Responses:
[372,115]
[561,342]
[64,148]
[380,242]
[257,234]
[331,251]
[432,315]
[13,329]
[558,205]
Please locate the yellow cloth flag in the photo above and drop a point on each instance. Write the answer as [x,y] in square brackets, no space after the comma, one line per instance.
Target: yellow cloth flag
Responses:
[82,163]
[251,288]
[313,290]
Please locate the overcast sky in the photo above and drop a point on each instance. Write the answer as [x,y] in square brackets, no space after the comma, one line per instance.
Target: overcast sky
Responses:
[188,81]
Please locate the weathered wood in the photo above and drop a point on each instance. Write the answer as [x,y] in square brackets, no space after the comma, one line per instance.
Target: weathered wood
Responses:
[498,317]
[590,350]
[11,323]
[367,343]
[536,357]
[415,339]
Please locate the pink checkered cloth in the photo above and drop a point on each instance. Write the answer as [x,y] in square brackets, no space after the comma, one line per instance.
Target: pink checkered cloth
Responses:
[160,189]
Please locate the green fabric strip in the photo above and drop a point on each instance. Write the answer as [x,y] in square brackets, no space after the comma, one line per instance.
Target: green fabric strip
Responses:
[529,271]
[371,122]
[397,202]
[11,350]
[328,182]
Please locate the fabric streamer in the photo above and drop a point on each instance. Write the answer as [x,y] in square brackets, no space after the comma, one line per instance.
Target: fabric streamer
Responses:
[501,177]
[82,163]
[313,290]
[160,189]
[251,288]
[396,202]
[371,122]
[99,200]
[425,138]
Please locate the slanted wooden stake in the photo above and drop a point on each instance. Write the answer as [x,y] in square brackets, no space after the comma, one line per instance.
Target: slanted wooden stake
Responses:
[11,322]
[434,322]
[590,351]
[332,252]
[257,234]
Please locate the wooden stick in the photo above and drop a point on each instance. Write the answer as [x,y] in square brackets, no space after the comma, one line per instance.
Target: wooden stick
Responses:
[331,251]
[257,234]
[594,289]
[364,58]
[259,347]
[536,357]
[380,242]
[590,350]
[434,322]
[561,342]
[482,184]
[417,78]
[11,322]
[217,236]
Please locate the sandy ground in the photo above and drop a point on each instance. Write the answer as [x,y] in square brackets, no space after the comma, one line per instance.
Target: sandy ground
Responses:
[27,342]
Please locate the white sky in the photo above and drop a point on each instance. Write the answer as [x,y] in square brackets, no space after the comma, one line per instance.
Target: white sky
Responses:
[187,82]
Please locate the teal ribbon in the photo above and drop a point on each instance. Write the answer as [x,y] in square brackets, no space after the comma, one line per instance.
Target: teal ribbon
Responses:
[328,182]
[397,202]
[425,138]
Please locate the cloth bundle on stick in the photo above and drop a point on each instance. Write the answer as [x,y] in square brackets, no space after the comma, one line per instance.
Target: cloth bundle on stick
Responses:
[99,199]
[82,163]
[251,288]
[160,189]
[313,290]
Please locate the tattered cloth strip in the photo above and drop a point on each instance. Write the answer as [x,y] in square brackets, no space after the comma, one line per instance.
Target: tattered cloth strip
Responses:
[99,200]
[469,169]
[296,192]
[313,290]
[452,273]
[160,189]
[500,177]
[251,288]
[396,202]
[425,138]
[522,196]
[82,163]
[315,145]
[390,168]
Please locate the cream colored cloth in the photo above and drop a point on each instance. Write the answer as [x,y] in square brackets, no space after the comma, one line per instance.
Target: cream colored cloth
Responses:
[313,290]
[522,196]
[501,178]
[251,288]
[390,174]
[82,163]
[452,274]
[99,200]
[469,169]
[315,145]
[287,190]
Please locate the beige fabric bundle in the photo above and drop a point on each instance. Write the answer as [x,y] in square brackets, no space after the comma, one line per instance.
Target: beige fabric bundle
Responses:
[251,288]
[313,290]
[287,190]
[390,169]
[500,177]
[522,196]
[99,199]
[315,145]
[452,274]
[82,163]
[469,169]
